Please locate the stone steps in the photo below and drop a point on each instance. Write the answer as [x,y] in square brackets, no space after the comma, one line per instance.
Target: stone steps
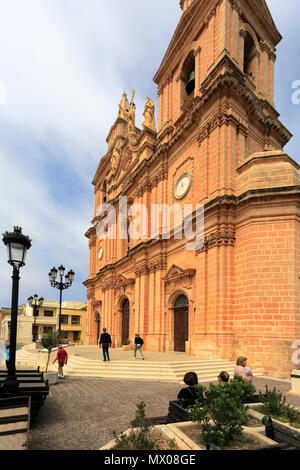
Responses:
[145,370]
[26,358]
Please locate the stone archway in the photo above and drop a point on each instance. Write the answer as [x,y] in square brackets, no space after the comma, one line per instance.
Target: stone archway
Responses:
[181,323]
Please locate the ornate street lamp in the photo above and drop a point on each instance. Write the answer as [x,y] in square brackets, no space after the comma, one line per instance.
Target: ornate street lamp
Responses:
[62,284]
[35,302]
[17,245]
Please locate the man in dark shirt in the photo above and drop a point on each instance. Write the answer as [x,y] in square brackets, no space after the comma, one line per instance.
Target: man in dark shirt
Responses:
[105,342]
[138,341]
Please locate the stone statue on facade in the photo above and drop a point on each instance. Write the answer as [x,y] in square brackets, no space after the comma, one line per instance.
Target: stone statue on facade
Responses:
[149,116]
[115,159]
[124,107]
[131,117]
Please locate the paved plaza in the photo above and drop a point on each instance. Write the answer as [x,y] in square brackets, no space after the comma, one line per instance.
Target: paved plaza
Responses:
[81,413]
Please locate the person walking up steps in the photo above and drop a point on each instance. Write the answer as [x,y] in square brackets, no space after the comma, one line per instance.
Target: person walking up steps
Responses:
[138,345]
[62,358]
[105,342]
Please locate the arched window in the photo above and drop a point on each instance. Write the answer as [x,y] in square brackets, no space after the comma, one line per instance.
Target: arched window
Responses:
[181,301]
[128,235]
[104,192]
[188,77]
[249,55]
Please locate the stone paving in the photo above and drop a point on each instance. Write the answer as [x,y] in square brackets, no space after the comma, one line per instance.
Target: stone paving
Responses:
[81,413]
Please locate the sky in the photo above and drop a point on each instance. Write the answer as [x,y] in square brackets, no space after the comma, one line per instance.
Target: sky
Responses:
[64,65]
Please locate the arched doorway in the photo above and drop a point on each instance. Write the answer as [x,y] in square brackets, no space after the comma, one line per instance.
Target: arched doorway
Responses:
[98,321]
[181,323]
[125,321]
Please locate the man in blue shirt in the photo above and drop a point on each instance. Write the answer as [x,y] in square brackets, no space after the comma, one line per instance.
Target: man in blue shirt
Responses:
[7,355]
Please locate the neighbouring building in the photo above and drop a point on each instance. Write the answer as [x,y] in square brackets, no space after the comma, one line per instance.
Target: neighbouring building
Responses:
[219,143]
[5,314]
[73,324]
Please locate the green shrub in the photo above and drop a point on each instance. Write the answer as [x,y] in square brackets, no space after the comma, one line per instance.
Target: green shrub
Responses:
[223,405]
[275,406]
[273,400]
[141,438]
[246,387]
[293,416]
[50,341]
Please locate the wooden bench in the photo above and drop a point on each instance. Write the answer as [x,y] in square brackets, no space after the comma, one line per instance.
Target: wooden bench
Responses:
[34,387]
[14,423]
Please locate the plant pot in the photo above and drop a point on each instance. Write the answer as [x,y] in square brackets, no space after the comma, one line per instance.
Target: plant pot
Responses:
[126,347]
[295,382]
[283,432]
[163,429]
[51,377]
[180,430]
[253,399]
[177,414]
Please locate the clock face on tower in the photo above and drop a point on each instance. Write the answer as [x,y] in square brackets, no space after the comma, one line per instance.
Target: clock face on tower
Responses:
[183,185]
[100,253]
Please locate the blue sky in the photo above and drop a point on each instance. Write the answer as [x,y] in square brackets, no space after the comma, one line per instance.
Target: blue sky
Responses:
[65,64]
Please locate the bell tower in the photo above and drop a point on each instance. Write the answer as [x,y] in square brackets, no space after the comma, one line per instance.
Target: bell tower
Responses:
[219,125]
[217,80]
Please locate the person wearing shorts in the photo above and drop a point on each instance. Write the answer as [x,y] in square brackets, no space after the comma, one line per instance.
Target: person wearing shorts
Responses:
[62,358]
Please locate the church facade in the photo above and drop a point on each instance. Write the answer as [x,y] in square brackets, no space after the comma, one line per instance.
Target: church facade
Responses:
[218,144]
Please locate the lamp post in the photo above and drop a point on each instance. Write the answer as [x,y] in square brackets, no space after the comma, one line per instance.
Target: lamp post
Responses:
[61,285]
[17,245]
[35,302]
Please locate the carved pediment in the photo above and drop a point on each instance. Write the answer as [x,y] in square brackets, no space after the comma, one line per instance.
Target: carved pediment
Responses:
[176,272]
[123,281]
[96,303]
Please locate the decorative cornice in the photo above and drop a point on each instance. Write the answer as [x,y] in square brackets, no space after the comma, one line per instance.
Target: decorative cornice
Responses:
[218,120]
[223,237]
[151,183]
[108,285]
[123,281]
[157,265]
[96,303]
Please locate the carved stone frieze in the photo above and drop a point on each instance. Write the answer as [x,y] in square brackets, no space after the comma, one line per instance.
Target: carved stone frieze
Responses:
[107,286]
[221,118]
[156,265]
[151,183]
[223,237]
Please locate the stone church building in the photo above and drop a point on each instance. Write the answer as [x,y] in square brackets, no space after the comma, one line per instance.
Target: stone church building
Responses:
[218,142]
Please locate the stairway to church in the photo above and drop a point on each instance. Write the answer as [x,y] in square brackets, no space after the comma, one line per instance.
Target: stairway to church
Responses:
[207,370]
[26,358]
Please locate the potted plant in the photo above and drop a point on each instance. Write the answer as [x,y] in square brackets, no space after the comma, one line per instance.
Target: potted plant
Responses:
[285,419]
[142,435]
[220,420]
[50,341]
